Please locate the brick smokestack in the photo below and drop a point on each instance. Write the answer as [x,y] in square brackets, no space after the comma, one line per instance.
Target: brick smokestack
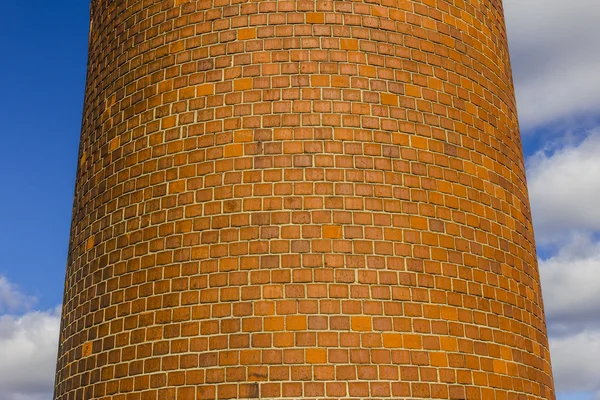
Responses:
[301,199]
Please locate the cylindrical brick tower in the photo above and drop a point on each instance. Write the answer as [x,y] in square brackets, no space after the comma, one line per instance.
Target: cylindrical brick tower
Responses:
[301,199]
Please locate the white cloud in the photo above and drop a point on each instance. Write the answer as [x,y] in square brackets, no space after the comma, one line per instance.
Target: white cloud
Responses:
[570,284]
[11,298]
[555,57]
[564,186]
[28,346]
[575,362]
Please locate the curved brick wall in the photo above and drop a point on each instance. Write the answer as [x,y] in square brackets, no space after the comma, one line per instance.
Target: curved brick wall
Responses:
[304,200]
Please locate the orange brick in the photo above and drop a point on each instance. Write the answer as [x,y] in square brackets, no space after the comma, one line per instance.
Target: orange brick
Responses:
[274,323]
[316,356]
[82,159]
[367,71]
[233,150]
[246,33]
[114,144]
[332,232]
[242,84]
[205,90]
[243,136]
[348,44]
[319,80]
[389,99]
[315,18]
[295,323]
[86,350]
[360,323]
[449,344]
[392,340]
[412,341]
[438,359]
[412,90]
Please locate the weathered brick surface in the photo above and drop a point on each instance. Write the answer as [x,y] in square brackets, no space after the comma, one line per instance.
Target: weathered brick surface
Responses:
[301,199]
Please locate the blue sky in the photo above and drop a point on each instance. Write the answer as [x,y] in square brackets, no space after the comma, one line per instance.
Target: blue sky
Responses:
[43,46]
